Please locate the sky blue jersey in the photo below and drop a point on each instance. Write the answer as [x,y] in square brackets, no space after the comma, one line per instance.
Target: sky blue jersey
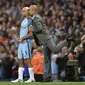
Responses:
[24,27]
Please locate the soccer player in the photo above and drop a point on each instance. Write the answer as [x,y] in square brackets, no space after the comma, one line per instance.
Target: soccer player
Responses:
[25,47]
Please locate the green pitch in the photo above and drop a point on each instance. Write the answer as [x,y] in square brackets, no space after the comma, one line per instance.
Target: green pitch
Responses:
[43,83]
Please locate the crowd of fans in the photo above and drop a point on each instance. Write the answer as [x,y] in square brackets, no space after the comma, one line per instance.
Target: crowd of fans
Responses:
[63,17]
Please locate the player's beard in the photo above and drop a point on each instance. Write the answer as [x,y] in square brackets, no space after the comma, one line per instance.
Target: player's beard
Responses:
[22,18]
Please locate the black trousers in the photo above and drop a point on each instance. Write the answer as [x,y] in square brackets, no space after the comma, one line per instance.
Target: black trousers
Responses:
[38,77]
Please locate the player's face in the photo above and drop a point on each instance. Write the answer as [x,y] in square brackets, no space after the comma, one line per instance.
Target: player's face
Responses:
[24,12]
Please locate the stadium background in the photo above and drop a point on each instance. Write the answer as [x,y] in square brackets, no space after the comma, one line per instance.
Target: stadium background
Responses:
[62,17]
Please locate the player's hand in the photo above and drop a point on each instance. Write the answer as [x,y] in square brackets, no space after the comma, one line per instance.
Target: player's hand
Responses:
[19,40]
[30,28]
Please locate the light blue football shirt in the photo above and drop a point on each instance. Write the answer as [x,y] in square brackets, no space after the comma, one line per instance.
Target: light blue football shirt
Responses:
[24,27]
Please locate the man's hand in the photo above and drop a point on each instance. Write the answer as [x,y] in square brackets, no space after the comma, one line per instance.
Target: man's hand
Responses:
[70,38]
[30,28]
[19,40]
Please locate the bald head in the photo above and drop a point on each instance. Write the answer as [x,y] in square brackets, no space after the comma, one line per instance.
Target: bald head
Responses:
[33,9]
[25,11]
[25,8]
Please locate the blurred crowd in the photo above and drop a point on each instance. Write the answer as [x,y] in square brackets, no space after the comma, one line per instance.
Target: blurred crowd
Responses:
[63,17]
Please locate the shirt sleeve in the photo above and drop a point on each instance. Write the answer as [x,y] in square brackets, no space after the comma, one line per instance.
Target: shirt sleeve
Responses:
[29,22]
[38,24]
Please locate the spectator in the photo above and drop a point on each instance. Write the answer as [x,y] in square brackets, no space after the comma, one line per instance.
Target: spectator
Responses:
[81,59]
[61,60]
[38,64]
[54,67]
[7,66]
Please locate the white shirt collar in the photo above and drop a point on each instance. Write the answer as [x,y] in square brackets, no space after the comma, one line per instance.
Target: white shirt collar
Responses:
[33,16]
